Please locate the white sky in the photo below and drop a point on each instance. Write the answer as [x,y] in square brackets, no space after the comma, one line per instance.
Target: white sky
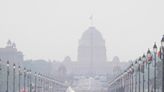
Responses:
[50,29]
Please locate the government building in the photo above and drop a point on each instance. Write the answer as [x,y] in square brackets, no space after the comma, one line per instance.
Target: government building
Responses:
[92,57]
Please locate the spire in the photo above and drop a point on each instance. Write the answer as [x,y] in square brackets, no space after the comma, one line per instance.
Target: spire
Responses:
[91,20]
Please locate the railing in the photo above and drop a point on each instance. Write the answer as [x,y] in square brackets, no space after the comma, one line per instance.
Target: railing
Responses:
[145,74]
[18,79]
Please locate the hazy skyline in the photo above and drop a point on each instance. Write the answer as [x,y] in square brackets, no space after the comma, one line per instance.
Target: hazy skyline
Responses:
[50,29]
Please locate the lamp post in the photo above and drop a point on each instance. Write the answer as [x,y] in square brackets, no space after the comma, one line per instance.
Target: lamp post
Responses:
[41,82]
[19,71]
[24,79]
[162,44]
[28,83]
[135,77]
[30,80]
[35,80]
[143,62]
[139,68]
[7,90]
[130,78]
[132,70]
[39,86]
[13,77]
[0,75]
[155,53]
[148,61]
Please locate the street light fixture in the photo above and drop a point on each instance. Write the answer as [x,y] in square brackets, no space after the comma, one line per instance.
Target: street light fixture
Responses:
[30,80]
[162,48]
[13,77]
[24,79]
[39,86]
[35,80]
[143,63]
[136,64]
[148,61]
[132,72]
[7,90]
[28,83]
[155,64]
[139,67]
[19,70]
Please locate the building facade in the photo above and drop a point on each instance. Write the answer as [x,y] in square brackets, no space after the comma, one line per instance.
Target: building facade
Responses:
[11,54]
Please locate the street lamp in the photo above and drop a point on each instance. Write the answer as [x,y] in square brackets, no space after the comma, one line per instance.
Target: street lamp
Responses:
[24,79]
[28,83]
[41,82]
[13,77]
[132,71]
[155,53]
[0,75]
[30,80]
[162,45]
[7,90]
[149,57]
[19,71]
[35,80]
[136,64]
[143,62]
[129,78]
[139,67]
[39,86]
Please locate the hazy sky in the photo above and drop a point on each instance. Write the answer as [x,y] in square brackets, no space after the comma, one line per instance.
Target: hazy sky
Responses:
[50,29]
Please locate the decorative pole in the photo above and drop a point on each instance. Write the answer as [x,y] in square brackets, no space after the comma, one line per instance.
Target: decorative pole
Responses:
[139,68]
[24,79]
[143,61]
[19,71]
[30,81]
[13,77]
[7,76]
[148,62]
[35,80]
[132,67]
[162,44]
[155,64]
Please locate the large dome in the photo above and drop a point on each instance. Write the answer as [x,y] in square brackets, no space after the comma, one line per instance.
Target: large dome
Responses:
[92,46]
[92,37]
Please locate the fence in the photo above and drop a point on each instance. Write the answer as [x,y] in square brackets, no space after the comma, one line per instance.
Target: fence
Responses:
[145,74]
[15,78]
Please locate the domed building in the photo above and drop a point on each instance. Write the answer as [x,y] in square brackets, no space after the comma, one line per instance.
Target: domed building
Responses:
[91,58]
[92,46]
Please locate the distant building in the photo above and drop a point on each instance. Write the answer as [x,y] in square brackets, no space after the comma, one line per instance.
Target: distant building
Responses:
[92,58]
[11,54]
[116,66]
